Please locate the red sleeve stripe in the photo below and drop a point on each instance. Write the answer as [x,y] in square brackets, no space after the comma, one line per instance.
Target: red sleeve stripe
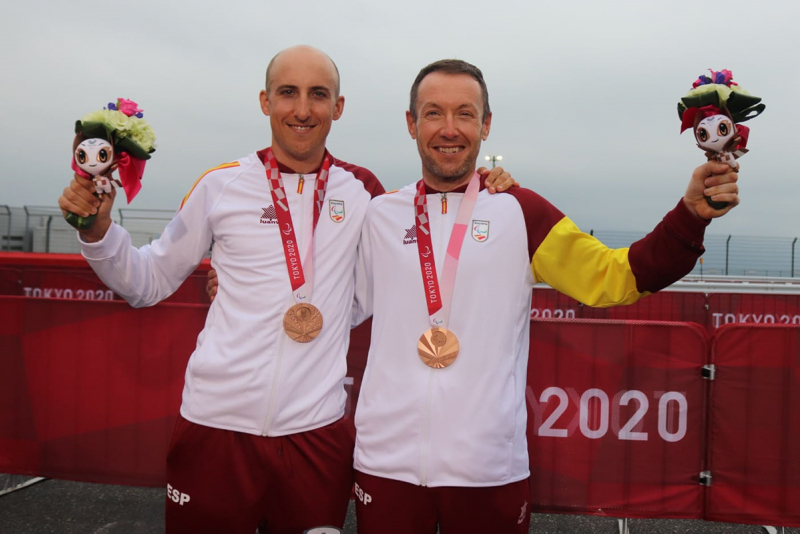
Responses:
[371,183]
[223,166]
[540,216]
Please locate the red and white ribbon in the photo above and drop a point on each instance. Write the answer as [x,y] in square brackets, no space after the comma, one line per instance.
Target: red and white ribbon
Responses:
[438,298]
[300,278]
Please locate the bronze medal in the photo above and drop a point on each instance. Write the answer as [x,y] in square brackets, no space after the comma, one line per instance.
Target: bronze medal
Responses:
[438,347]
[302,322]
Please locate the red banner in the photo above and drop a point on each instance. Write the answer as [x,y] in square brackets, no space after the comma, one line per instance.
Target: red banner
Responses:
[68,276]
[618,411]
[665,306]
[90,390]
[754,426]
[731,308]
[616,418]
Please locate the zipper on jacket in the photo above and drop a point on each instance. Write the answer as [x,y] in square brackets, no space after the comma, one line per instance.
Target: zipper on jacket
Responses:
[440,251]
[271,405]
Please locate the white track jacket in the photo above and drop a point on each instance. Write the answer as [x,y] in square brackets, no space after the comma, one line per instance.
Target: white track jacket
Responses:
[465,425]
[246,374]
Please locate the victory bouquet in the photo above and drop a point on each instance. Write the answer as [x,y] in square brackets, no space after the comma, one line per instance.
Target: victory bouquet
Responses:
[113,138]
[714,108]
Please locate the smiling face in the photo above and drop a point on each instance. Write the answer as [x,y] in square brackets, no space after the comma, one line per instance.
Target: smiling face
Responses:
[712,133]
[302,103]
[448,128]
[94,156]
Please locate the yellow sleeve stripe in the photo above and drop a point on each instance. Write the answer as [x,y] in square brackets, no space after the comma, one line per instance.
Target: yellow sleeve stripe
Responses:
[579,265]
[223,166]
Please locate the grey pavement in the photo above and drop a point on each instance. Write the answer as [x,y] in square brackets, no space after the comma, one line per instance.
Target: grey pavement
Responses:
[63,507]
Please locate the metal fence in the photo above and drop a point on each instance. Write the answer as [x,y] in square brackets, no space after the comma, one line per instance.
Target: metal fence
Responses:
[7,235]
[731,255]
[44,230]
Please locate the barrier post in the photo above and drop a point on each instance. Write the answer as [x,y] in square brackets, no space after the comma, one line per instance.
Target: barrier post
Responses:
[727,253]
[8,229]
[47,235]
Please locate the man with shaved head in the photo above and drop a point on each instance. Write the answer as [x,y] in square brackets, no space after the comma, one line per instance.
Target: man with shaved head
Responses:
[261,440]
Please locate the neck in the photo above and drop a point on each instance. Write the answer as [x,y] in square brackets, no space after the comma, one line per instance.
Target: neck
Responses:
[305,166]
[443,186]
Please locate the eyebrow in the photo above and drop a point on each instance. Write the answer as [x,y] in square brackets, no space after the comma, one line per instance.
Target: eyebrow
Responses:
[296,88]
[465,105]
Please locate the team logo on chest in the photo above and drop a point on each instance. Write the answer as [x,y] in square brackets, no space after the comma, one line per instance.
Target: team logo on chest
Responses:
[480,230]
[336,209]
[269,216]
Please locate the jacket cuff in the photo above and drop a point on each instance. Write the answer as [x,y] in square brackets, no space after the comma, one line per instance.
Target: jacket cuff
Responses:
[689,228]
[106,247]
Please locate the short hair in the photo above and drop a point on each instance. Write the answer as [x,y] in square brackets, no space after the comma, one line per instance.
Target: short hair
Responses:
[271,61]
[450,66]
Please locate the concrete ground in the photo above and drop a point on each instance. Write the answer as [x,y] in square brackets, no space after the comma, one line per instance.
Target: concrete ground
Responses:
[63,507]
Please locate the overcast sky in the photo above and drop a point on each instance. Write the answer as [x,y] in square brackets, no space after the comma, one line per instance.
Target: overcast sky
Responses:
[584,94]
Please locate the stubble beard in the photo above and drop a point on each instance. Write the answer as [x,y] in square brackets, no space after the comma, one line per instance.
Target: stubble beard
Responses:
[298,150]
[448,175]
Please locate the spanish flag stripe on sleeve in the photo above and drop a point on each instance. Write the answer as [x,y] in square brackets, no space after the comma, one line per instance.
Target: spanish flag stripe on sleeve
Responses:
[582,267]
[223,166]
[579,265]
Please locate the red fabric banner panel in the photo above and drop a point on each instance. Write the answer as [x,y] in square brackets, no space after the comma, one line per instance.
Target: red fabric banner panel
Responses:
[616,417]
[9,281]
[548,303]
[662,306]
[68,276]
[729,308]
[90,389]
[754,425]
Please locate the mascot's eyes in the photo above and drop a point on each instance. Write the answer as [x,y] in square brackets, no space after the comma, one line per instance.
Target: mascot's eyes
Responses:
[702,134]
[724,128]
[102,155]
[81,156]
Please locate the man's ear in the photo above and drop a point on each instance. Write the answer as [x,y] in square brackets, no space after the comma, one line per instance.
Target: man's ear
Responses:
[412,125]
[338,108]
[487,124]
[264,100]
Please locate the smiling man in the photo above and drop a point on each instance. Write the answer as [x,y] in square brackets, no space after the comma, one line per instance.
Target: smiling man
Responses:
[261,438]
[441,419]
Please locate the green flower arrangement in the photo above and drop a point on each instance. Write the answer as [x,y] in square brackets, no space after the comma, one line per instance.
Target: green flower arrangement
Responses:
[123,124]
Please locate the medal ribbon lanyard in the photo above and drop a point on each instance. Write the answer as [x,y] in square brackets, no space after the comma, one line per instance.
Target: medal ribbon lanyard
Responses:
[438,300]
[301,285]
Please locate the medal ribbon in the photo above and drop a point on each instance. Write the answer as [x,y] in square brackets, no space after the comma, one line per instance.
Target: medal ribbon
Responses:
[301,287]
[438,299]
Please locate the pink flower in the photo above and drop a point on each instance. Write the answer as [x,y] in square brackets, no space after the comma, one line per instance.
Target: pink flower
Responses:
[128,107]
[723,77]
